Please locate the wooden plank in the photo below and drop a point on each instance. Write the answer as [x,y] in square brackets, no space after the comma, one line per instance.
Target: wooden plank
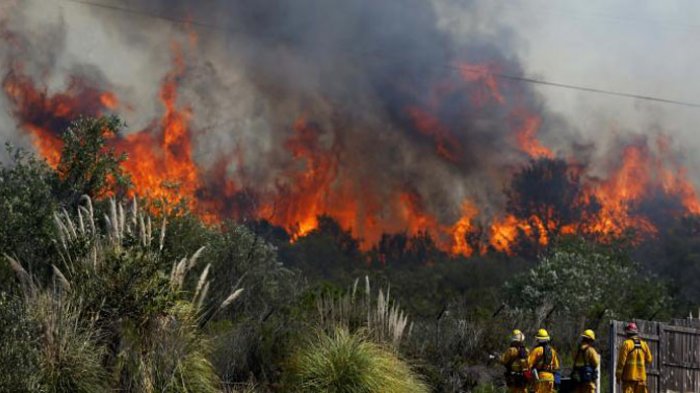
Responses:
[661,356]
[613,354]
[681,329]
[676,351]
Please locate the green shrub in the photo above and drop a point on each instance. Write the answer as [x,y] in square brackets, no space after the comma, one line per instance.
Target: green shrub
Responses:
[69,359]
[18,352]
[348,363]
[112,317]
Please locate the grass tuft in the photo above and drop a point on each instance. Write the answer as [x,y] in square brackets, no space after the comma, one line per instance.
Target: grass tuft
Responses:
[348,363]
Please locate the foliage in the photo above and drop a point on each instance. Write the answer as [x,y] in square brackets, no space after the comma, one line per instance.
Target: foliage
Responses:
[251,337]
[18,352]
[129,303]
[88,165]
[314,252]
[587,279]
[69,358]
[26,207]
[677,257]
[143,326]
[342,362]
[382,320]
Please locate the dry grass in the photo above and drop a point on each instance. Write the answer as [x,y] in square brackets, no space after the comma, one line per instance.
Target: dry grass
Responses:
[382,318]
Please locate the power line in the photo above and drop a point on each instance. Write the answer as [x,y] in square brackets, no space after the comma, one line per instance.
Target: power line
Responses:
[593,90]
[517,78]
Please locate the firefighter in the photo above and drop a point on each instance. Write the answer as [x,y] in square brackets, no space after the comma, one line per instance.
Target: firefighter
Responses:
[586,360]
[632,360]
[543,360]
[515,361]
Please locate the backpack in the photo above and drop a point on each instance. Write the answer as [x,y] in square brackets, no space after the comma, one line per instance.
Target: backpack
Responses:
[545,362]
[586,373]
[514,378]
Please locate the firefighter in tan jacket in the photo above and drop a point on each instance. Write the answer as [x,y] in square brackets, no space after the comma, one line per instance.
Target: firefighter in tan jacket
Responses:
[632,361]
[515,361]
[543,358]
[586,361]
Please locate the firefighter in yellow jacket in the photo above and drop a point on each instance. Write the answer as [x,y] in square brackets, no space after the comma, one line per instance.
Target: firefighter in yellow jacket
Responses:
[515,361]
[632,360]
[586,360]
[544,360]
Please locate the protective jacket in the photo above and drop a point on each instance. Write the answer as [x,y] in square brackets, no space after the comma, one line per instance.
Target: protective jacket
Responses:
[586,356]
[515,359]
[545,360]
[632,360]
[585,372]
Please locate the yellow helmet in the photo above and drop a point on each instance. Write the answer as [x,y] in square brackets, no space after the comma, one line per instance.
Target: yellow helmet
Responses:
[542,335]
[589,334]
[517,336]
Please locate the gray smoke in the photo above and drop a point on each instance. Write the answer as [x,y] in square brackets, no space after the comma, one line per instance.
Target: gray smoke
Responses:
[353,68]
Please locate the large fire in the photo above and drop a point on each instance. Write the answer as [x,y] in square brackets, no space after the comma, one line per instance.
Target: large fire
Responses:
[162,167]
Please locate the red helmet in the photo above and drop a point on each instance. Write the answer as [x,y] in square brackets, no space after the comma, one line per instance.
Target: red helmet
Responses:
[631,328]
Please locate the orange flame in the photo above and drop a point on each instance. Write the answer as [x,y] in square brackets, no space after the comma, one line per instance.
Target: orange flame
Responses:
[162,166]
[42,114]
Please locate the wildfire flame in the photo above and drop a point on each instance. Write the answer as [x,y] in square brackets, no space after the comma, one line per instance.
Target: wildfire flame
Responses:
[162,166]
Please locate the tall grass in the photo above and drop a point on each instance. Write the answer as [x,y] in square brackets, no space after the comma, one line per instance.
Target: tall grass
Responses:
[18,347]
[342,362]
[113,315]
[382,319]
[69,358]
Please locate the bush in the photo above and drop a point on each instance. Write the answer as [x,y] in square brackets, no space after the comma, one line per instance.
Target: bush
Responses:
[48,347]
[582,279]
[26,208]
[348,363]
[116,318]
[18,352]
[69,358]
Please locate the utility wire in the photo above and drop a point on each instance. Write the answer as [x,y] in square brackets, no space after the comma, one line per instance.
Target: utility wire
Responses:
[516,78]
[592,90]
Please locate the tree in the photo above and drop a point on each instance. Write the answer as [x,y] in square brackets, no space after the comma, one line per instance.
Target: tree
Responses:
[27,204]
[584,279]
[549,192]
[89,165]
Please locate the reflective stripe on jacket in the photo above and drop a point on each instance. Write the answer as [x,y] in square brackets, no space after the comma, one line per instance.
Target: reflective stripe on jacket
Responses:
[632,360]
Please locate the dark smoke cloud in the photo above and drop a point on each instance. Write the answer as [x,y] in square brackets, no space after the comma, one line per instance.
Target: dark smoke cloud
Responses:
[354,68]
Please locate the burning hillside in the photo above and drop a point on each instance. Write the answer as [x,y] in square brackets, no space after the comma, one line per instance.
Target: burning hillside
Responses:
[425,143]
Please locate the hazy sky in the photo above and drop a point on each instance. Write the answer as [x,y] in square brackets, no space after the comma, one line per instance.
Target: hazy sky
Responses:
[641,47]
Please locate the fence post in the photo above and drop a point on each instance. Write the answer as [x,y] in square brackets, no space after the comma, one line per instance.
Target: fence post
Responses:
[613,355]
[661,358]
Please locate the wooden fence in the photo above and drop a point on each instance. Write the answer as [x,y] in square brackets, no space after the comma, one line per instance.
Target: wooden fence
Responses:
[676,350]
